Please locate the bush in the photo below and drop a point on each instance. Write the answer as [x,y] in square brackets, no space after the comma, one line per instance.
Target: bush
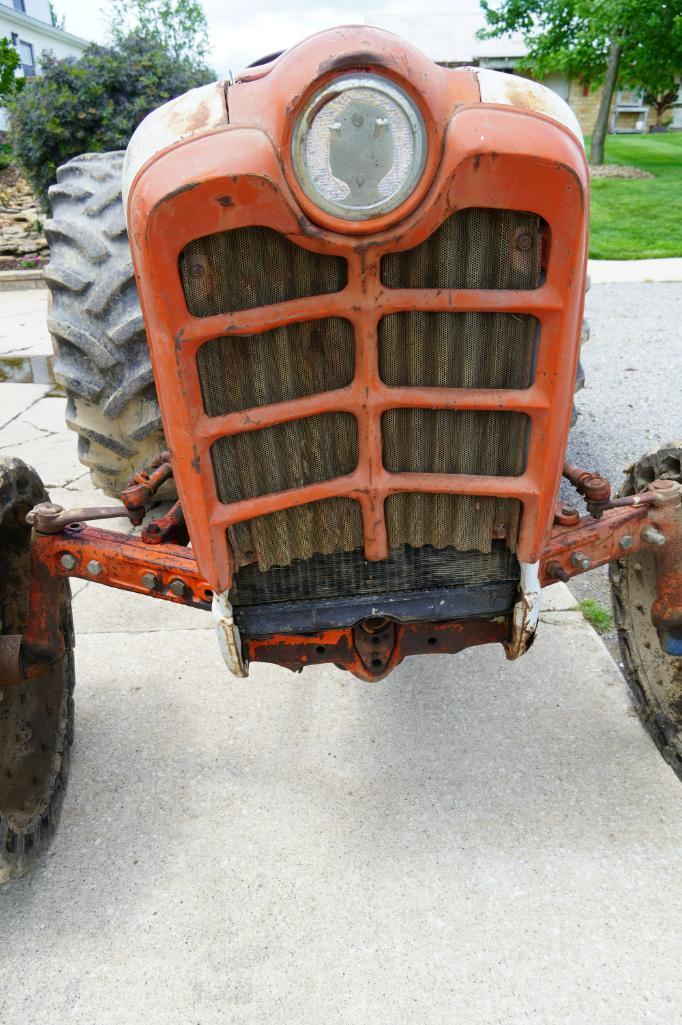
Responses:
[93,103]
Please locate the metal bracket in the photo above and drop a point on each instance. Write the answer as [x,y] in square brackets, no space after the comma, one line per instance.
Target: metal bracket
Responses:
[48,518]
[228,635]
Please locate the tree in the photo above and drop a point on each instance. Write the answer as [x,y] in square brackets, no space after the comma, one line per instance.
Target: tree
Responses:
[93,103]
[179,26]
[9,62]
[56,19]
[633,43]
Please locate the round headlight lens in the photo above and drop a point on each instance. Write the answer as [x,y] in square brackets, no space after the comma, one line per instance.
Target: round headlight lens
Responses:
[359,147]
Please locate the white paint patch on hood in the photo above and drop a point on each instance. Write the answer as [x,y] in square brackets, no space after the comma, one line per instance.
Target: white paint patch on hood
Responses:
[514,91]
[195,111]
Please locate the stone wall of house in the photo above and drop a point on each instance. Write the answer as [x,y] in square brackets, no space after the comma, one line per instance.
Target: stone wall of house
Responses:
[585,107]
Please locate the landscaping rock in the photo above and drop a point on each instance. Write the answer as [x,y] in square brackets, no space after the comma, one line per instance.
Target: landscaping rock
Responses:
[21,237]
[619,171]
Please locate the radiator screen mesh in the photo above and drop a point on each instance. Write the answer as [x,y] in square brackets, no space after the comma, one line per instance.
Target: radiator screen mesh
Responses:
[245,268]
[245,371]
[474,248]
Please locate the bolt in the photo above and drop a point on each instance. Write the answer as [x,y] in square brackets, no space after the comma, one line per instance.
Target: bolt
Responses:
[652,536]
[568,510]
[581,561]
[94,567]
[68,560]
[177,587]
[524,242]
[661,485]
[625,542]
[150,580]
[556,571]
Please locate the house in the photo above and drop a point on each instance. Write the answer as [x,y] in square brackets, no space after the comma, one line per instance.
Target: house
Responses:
[450,39]
[28,24]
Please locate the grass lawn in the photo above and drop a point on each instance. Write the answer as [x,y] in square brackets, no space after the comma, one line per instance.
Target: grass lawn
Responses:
[639,219]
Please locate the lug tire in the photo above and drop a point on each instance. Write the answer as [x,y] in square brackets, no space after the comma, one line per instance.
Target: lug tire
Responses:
[37,717]
[102,357]
[655,679]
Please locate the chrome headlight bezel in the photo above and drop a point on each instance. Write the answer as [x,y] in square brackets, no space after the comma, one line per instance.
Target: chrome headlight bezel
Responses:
[413,126]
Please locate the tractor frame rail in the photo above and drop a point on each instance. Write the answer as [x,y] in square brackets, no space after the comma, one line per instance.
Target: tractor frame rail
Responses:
[623,527]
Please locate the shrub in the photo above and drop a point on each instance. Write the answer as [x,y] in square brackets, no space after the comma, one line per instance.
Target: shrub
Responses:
[93,103]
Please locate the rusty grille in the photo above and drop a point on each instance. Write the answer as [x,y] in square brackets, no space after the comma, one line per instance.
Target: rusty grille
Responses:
[250,267]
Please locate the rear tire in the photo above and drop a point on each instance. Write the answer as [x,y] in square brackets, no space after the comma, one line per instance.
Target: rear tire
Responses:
[655,678]
[102,357]
[36,718]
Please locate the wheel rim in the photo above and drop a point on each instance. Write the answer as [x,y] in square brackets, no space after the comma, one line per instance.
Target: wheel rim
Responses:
[655,678]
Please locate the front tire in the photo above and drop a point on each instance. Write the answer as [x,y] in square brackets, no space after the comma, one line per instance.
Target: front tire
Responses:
[654,678]
[98,334]
[37,717]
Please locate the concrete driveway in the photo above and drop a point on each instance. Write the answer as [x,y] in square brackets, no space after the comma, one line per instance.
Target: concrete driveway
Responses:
[473,841]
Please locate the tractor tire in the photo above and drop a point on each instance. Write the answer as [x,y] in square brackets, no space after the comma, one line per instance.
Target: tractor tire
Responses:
[36,717]
[102,357]
[654,678]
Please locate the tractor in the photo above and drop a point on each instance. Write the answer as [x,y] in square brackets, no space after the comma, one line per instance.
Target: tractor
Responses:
[319,328]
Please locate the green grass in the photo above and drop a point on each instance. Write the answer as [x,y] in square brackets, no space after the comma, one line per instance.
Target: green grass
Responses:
[595,614]
[639,219]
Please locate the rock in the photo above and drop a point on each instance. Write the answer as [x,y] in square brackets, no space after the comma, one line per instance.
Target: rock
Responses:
[20,219]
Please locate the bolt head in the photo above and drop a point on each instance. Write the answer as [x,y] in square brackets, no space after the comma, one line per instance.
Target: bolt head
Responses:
[177,587]
[625,542]
[94,567]
[652,536]
[68,560]
[581,561]
[150,581]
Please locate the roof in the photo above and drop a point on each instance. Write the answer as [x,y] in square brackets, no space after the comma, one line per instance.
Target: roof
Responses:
[25,21]
[449,36]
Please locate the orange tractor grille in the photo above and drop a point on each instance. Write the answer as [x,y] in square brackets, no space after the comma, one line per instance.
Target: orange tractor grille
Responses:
[245,268]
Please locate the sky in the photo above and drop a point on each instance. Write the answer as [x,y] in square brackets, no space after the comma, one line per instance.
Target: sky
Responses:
[244,30]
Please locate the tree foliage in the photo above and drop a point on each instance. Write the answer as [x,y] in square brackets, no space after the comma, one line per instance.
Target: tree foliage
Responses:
[575,36]
[179,26]
[93,103]
[9,62]
[638,41]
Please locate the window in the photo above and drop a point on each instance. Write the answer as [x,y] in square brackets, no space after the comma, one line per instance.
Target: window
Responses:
[27,61]
[19,5]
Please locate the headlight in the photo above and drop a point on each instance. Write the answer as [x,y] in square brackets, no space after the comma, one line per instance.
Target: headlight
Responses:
[359,147]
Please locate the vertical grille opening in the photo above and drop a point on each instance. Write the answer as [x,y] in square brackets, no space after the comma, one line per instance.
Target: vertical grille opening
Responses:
[245,371]
[474,248]
[281,538]
[244,268]
[482,442]
[464,522]
[458,350]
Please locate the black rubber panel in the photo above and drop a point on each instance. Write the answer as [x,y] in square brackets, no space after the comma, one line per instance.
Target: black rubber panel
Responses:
[654,677]
[102,357]
[407,607]
[36,718]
